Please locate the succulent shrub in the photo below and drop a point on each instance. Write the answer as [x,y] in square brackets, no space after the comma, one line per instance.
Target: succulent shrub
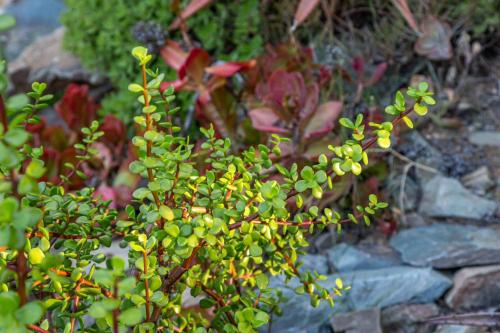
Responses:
[219,233]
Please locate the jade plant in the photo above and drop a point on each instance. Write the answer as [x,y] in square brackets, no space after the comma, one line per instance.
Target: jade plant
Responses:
[219,234]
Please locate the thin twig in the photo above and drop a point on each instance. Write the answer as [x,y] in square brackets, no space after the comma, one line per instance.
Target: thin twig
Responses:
[37,329]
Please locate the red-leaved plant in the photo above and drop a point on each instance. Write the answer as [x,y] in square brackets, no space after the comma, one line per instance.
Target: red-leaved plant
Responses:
[108,169]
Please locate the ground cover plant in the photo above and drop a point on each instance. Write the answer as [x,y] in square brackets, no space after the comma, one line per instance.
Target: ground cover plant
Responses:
[219,232]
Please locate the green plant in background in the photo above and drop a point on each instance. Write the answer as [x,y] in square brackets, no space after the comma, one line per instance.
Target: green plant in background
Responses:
[218,234]
[100,33]
[229,30]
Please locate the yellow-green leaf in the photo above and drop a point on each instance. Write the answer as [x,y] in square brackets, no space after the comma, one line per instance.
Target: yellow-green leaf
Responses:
[421,110]
[408,122]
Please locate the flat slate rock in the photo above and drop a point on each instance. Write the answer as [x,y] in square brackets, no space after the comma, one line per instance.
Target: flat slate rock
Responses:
[446,197]
[409,318]
[484,138]
[445,245]
[475,288]
[347,258]
[314,263]
[377,288]
[358,321]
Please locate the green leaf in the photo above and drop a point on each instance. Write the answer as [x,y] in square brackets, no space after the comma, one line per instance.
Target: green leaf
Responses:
[346,122]
[136,247]
[167,213]
[270,189]
[429,100]
[400,99]
[7,21]
[307,173]
[255,250]
[262,281]
[118,264]
[384,142]
[172,229]
[36,256]
[260,318]
[408,122]
[9,302]
[130,317]
[423,86]
[420,109]
[35,169]
[207,303]
[7,208]
[30,313]
[320,176]
[317,192]
[97,310]
[16,137]
[134,87]
[139,52]
[301,185]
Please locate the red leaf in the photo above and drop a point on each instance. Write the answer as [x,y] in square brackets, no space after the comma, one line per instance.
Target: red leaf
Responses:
[358,64]
[323,119]
[304,9]
[228,69]
[404,9]
[36,128]
[191,9]
[173,55]
[195,64]
[264,119]
[105,193]
[77,108]
[55,137]
[177,84]
[284,89]
[377,74]
[114,130]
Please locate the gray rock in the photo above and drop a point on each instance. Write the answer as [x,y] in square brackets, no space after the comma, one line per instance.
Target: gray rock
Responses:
[413,220]
[484,138]
[369,289]
[444,245]
[45,60]
[478,181]
[346,258]
[475,288]
[358,322]
[408,318]
[460,329]
[422,152]
[446,197]
[34,18]
[314,263]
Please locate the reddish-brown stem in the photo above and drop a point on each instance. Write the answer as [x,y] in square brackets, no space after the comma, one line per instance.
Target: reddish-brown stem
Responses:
[149,144]
[3,115]
[72,172]
[76,302]
[22,270]
[37,329]
[220,302]
[116,311]
[176,274]
[146,284]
